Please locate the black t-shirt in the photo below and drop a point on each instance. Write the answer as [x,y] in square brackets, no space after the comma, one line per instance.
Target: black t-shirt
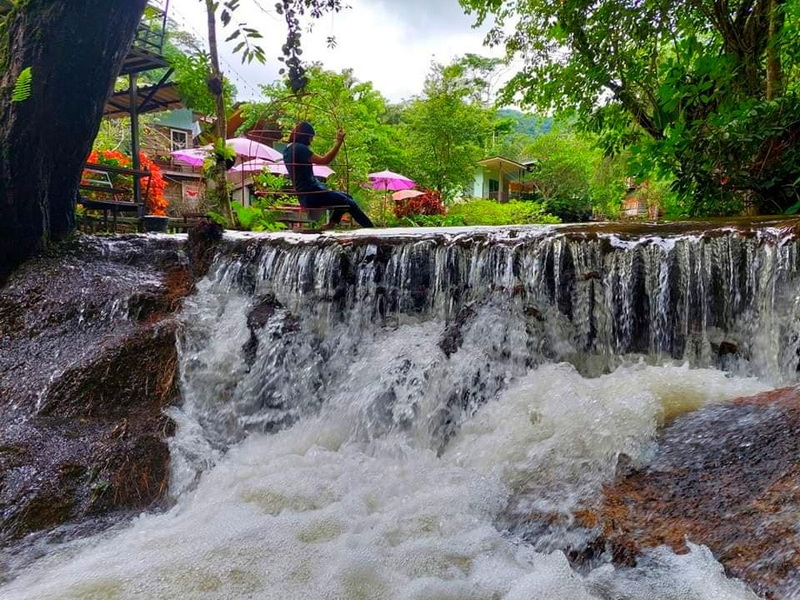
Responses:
[297,158]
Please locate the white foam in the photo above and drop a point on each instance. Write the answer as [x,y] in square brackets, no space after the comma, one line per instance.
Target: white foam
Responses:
[319,512]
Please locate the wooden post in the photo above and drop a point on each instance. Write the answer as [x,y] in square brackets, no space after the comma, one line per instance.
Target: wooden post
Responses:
[137,182]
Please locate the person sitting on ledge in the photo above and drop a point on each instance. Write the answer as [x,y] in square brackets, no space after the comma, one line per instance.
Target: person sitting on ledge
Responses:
[312,193]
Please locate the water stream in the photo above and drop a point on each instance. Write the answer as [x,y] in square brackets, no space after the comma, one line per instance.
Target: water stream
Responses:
[392,416]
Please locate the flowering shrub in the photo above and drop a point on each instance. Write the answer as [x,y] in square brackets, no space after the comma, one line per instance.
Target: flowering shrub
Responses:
[430,203]
[156,202]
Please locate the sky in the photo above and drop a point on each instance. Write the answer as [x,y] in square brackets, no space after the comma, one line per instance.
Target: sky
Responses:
[388,42]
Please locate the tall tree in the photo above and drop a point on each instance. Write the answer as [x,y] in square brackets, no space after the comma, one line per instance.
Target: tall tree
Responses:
[218,182]
[701,81]
[448,128]
[58,61]
[72,50]
[336,100]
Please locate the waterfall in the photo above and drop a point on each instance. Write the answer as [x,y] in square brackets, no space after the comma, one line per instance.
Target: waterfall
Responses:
[484,308]
[378,415]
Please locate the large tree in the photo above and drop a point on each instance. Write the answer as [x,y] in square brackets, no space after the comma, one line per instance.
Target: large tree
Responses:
[449,129]
[72,50]
[69,52]
[704,89]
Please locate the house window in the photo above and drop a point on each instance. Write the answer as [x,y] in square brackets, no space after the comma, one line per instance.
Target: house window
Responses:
[494,186]
[179,140]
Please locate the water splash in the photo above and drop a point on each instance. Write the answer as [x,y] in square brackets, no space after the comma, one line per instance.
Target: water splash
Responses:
[319,510]
[380,417]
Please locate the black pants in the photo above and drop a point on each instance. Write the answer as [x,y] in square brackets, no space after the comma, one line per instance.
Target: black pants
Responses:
[342,202]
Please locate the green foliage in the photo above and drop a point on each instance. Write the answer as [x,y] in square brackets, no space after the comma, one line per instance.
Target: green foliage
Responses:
[739,155]
[607,186]
[259,217]
[114,133]
[246,37]
[224,151]
[274,186]
[427,221]
[333,101]
[702,92]
[489,212]
[22,87]
[526,123]
[292,11]
[217,218]
[448,131]
[192,71]
[564,167]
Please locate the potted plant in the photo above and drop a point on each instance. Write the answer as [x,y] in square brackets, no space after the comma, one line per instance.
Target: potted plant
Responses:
[156,219]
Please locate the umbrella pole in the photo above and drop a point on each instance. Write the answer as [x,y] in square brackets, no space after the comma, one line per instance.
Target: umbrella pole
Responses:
[383,207]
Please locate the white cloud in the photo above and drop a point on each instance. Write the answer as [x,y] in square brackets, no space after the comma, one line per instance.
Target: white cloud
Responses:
[388,42]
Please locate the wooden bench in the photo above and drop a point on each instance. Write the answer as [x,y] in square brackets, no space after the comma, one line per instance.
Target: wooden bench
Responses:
[301,218]
[298,217]
[97,178]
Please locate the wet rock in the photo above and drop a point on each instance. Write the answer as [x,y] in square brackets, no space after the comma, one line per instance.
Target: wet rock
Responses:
[727,349]
[119,375]
[262,312]
[590,275]
[728,477]
[453,335]
[87,365]
[201,247]
[258,317]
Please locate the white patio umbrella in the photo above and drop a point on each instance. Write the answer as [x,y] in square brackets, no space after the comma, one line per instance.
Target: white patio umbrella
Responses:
[405,194]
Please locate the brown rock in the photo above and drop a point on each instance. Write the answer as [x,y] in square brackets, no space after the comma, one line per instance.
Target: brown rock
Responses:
[453,336]
[87,365]
[728,477]
[203,238]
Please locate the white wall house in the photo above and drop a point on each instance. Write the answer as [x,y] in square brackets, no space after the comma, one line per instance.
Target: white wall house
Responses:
[494,177]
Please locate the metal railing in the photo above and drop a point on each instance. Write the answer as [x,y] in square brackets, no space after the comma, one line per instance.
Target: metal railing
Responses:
[152,29]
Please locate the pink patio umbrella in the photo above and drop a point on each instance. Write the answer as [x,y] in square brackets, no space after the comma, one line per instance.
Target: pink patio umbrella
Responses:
[245,147]
[405,194]
[388,180]
[194,157]
[258,164]
[242,146]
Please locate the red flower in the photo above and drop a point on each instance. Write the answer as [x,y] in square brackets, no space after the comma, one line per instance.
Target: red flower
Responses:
[156,202]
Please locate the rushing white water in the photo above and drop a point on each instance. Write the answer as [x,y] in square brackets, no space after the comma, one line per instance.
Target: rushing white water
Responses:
[320,511]
[336,447]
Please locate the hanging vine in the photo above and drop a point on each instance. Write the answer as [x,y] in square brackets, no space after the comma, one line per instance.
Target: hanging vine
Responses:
[292,11]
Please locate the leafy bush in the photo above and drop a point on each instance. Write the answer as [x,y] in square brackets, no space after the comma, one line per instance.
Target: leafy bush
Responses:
[562,173]
[489,212]
[428,221]
[429,203]
[259,217]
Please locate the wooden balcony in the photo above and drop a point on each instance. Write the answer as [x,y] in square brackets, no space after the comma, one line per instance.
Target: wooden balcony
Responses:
[146,51]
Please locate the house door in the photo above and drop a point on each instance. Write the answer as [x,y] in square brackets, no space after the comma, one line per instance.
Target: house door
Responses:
[494,189]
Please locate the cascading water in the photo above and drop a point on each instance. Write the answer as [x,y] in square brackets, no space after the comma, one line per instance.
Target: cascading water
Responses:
[420,415]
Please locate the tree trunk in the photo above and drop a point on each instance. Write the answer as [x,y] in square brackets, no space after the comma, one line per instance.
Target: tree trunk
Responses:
[215,85]
[774,75]
[75,49]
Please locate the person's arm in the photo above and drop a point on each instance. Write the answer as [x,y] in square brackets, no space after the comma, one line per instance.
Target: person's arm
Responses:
[331,155]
